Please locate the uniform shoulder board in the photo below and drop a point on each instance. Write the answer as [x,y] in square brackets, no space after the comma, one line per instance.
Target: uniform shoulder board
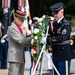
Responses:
[66,22]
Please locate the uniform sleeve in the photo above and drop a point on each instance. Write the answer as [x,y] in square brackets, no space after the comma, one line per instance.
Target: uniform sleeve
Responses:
[65,34]
[15,35]
[50,32]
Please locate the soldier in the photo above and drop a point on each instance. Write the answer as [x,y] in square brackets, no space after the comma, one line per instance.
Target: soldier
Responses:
[0,46]
[60,39]
[17,41]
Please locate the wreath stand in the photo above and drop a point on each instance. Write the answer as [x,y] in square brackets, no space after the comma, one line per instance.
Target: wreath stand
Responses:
[41,54]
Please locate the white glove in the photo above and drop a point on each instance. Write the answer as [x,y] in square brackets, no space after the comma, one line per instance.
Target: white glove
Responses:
[2,40]
[52,18]
[43,41]
[5,10]
[30,21]
[28,32]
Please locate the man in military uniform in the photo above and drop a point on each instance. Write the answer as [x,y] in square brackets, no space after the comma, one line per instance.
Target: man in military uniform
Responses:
[17,41]
[60,40]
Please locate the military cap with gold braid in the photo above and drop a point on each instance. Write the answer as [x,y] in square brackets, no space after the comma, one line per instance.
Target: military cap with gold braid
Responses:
[20,14]
[56,8]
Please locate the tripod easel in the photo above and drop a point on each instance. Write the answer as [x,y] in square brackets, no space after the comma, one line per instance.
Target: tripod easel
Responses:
[42,51]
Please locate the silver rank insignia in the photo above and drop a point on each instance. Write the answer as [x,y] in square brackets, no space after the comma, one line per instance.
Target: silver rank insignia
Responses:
[64,31]
[59,31]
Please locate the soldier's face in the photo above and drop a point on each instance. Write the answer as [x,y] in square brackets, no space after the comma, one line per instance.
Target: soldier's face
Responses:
[58,15]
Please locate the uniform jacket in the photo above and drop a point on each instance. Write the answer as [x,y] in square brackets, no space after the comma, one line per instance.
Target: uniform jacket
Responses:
[61,33]
[17,43]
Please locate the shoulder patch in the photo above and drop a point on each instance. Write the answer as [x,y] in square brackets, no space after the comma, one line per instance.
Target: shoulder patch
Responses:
[67,23]
[65,20]
[64,31]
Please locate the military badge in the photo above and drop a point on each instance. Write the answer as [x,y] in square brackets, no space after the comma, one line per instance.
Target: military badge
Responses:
[64,31]
[71,42]
[59,31]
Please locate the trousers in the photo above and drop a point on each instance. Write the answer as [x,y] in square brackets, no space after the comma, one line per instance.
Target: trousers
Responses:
[16,68]
[63,67]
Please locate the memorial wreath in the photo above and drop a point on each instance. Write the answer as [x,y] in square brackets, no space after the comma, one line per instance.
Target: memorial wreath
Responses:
[40,28]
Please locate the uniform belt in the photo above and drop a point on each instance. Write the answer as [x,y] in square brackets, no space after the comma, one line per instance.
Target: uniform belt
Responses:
[64,42]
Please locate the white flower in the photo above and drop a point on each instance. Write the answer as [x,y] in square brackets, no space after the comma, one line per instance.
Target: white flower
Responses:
[40,20]
[35,37]
[33,51]
[40,23]
[36,31]
[43,16]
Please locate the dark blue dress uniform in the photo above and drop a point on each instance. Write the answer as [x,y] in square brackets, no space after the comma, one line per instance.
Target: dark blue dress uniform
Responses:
[3,52]
[0,54]
[61,46]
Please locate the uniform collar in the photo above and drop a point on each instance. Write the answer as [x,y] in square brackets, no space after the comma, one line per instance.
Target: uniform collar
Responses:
[60,19]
